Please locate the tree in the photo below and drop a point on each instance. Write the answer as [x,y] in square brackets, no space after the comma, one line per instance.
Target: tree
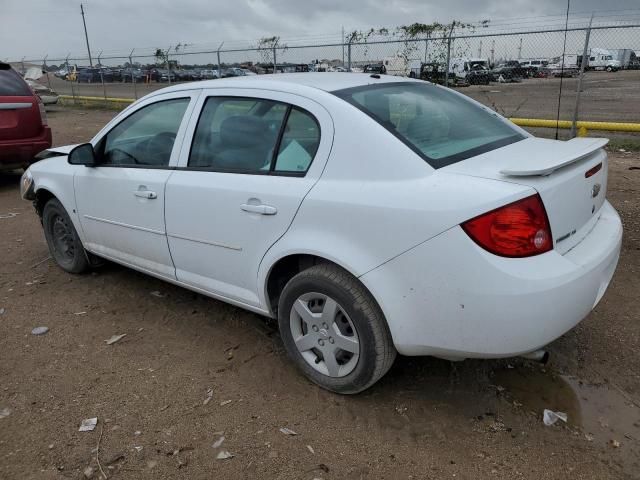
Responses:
[266,47]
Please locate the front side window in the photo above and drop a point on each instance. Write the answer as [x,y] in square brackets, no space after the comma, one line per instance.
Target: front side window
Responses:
[439,125]
[146,137]
[250,135]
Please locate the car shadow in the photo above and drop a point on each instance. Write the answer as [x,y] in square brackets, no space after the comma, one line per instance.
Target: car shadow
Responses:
[10,180]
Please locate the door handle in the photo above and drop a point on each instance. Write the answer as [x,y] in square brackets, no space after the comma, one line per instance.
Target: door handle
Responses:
[261,209]
[148,194]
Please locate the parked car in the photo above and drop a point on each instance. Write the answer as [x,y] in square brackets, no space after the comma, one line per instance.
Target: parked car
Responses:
[111,74]
[436,73]
[23,121]
[129,75]
[531,67]
[478,75]
[378,68]
[506,73]
[460,235]
[46,94]
[209,74]
[94,75]
[62,73]
[165,76]
[185,75]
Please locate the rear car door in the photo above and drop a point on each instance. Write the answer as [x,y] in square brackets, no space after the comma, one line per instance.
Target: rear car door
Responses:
[121,201]
[249,159]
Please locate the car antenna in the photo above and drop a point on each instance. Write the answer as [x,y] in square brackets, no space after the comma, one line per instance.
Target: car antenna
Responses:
[564,49]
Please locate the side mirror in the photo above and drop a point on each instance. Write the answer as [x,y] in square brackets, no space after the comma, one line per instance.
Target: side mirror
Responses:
[83,155]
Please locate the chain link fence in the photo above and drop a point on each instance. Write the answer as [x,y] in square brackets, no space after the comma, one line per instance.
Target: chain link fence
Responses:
[590,72]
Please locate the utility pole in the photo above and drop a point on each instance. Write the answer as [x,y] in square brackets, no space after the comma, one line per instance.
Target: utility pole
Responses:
[86,37]
[219,66]
[342,42]
[493,51]
[583,65]
[448,65]
[520,49]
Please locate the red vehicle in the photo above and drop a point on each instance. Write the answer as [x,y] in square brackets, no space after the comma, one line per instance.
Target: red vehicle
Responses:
[23,122]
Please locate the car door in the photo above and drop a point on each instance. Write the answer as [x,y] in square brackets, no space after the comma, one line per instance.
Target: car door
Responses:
[121,200]
[247,162]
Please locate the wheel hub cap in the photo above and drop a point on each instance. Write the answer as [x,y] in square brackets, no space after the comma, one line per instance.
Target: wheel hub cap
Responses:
[324,334]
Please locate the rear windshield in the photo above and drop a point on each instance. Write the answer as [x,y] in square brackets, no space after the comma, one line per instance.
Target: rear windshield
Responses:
[12,84]
[439,125]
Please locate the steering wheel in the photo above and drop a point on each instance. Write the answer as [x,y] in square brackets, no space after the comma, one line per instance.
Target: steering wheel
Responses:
[159,145]
[122,152]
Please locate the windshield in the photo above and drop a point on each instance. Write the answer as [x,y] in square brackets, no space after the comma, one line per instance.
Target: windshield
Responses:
[439,125]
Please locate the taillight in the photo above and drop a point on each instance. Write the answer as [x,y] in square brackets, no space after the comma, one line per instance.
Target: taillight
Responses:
[43,113]
[520,229]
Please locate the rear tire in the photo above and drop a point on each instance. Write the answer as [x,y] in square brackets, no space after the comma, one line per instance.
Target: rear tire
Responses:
[334,330]
[63,240]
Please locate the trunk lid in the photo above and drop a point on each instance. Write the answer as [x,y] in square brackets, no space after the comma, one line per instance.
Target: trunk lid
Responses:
[565,174]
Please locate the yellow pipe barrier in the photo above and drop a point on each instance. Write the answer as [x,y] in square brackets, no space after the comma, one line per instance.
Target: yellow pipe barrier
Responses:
[97,99]
[582,126]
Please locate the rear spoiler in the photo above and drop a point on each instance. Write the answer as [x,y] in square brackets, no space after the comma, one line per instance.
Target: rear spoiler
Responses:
[541,163]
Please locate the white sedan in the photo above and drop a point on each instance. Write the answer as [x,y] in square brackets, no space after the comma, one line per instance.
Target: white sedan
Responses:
[370,215]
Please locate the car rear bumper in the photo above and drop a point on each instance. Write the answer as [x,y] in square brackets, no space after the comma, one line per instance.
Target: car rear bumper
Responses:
[20,153]
[450,298]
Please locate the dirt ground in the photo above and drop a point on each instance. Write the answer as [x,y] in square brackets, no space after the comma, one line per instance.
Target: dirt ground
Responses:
[427,418]
[606,97]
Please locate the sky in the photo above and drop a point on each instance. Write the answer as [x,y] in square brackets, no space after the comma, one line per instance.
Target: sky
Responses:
[37,28]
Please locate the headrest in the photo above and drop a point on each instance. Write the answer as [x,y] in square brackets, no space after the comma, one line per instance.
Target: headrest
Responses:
[242,131]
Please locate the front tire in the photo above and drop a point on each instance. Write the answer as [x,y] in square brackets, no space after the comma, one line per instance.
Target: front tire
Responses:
[334,331]
[63,240]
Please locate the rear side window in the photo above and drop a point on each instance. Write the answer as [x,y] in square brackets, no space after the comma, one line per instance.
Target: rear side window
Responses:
[439,125]
[12,84]
[299,143]
[256,136]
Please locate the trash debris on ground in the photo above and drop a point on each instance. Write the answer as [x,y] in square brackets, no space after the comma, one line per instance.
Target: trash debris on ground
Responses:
[137,432]
[88,472]
[5,412]
[287,431]
[8,215]
[614,443]
[39,330]
[310,448]
[80,313]
[589,437]
[156,293]
[549,417]
[224,454]
[88,424]
[225,402]
[2,310]
[115,338]
[218,442]
[138,448]
[208,397]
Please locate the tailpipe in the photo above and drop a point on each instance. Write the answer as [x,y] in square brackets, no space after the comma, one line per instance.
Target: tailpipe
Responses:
[541,356]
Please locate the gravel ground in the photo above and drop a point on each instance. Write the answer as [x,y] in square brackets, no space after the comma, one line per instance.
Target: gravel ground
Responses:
[426,419]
